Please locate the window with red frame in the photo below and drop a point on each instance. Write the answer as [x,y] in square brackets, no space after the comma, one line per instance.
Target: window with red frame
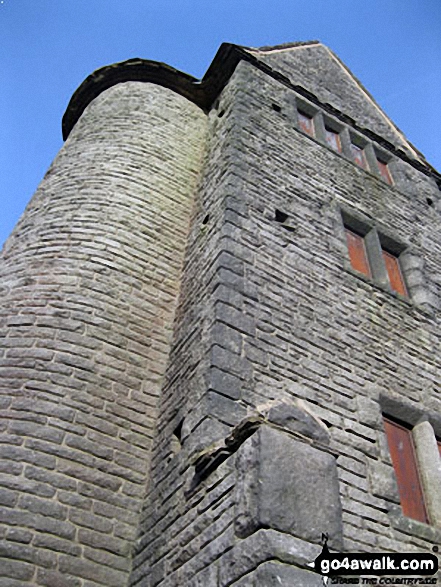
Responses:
[357,252]
[402,453]
[394,272]
[359,156]
[384,171]
[369,257]
[333,139]
[306,123]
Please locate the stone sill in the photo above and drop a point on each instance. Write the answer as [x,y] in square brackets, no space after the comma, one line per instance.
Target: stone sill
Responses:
[413,527]
[382,288]
[345,158]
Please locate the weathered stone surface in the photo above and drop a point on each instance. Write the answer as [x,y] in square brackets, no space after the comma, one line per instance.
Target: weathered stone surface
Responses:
[297,420]
[369,411]
[262,546]
[92,275]
[382,481]
[225,383]
[277,574]
[427,454]
[287,485]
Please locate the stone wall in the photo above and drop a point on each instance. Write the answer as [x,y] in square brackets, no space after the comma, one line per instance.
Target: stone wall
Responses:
[89,282]
[315,68]
[272,314]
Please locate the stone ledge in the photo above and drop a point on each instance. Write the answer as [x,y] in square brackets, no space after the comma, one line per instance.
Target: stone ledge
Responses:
[262,546]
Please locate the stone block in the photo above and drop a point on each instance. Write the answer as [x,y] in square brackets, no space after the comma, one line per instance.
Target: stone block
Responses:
[369,412]
[79,567]
[227,337]
[16,570]
[19,535]
[287,485]
[382,481]
[231,362]
[235,318]
[206,433]
[45,507]
[49,542]
[8,497]
[27,553]
[294,419]
[265,545]
[224,383]
[228,261]
[49,578]
[273,574]
[207,577]
[103,541]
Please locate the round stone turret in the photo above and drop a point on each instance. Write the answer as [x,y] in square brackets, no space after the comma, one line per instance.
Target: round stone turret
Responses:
[89,284]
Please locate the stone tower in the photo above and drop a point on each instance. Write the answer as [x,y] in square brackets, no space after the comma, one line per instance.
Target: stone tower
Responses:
[219,328]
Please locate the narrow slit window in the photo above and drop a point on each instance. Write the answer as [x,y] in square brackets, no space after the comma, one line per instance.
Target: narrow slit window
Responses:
[333,139]
[394,272]
[384,171]
[357,252]
[306,123]
[359,156]
[403,458]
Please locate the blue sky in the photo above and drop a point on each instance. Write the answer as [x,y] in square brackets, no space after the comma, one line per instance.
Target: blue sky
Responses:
[48,47]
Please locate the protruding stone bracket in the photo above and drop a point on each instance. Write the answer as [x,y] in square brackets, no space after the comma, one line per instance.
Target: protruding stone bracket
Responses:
[251,562]
[289,485]
[294,420]
[275,574]
[297,420]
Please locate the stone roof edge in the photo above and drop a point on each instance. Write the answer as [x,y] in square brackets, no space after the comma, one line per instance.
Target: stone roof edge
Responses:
[204,92]
[282,46]
[201,92]
[422,166]
[375,103]
[358,83]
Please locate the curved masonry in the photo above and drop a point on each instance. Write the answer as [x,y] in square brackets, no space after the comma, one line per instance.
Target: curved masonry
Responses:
[89,280]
